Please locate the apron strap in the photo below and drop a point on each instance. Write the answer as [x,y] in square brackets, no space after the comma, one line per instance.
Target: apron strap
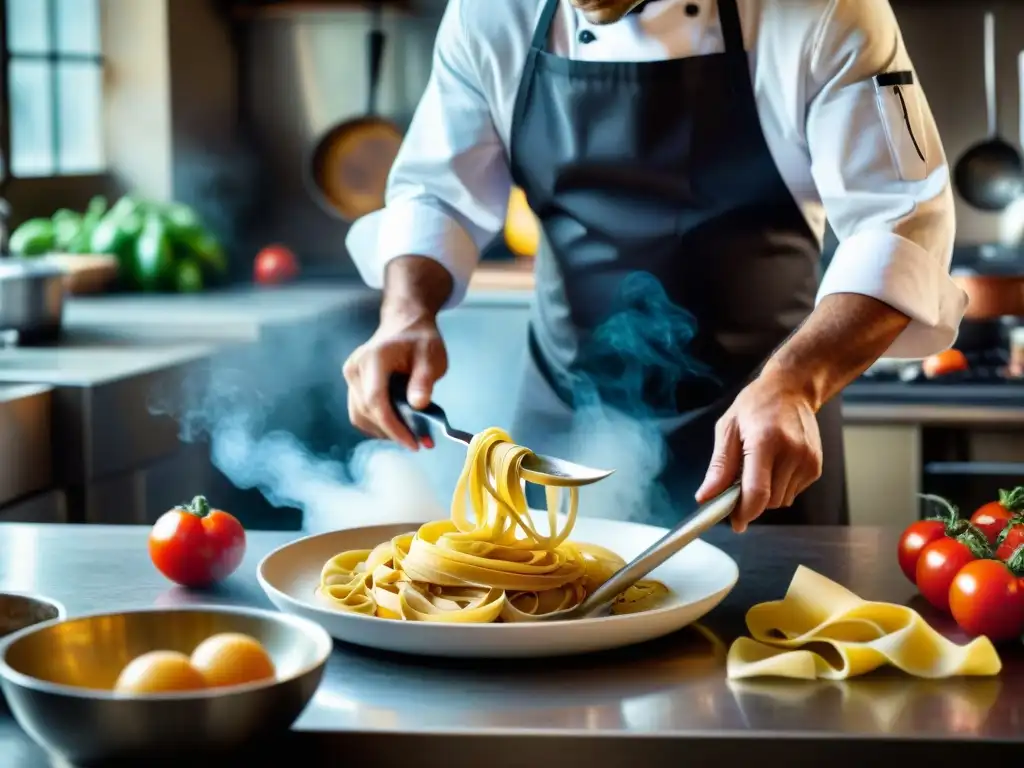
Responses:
[732,30]
[540,34]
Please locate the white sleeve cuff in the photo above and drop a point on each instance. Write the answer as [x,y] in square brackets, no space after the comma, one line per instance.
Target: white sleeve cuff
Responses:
[412,228]
[908,278]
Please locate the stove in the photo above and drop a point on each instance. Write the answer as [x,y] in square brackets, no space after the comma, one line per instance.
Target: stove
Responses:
[985,382]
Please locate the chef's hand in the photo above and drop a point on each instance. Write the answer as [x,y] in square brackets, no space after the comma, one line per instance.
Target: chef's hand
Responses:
[403,343]
[770,435]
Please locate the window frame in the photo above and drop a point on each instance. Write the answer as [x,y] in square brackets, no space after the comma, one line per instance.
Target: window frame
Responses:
[31,196]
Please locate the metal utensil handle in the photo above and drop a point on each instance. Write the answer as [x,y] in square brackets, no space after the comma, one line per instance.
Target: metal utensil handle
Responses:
[376,42]
[701,521]
[418,420]
[990,75]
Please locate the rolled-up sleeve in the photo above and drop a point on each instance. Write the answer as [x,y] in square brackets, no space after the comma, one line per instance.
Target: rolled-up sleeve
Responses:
[448,190]
[882,175]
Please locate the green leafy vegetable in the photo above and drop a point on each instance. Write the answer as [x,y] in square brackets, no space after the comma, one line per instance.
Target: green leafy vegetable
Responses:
[33,238]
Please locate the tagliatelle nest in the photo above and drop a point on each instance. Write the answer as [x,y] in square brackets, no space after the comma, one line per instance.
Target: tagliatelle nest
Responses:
[488,562]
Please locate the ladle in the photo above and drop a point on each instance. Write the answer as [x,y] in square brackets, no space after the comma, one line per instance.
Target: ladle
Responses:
[990,174]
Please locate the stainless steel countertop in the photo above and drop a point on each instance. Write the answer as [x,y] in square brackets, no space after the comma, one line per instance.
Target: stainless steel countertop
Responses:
[647,704]
[238,314]
[118,337]
[91,364]
[932,414]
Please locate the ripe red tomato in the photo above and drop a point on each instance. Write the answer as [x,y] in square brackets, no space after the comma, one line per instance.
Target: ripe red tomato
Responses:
[1009,541]
[990,519]
[938,565]
[915,538]
[949,361]
[987,598]
[993,517]
[196,546]
[275,264]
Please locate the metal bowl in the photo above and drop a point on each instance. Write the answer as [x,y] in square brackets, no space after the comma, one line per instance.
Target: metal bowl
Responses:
[58,679]
[18,611]
[31,299]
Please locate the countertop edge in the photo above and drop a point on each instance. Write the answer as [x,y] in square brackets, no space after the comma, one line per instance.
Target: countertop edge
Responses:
[14,391]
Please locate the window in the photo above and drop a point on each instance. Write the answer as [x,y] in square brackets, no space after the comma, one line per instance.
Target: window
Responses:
[54,88]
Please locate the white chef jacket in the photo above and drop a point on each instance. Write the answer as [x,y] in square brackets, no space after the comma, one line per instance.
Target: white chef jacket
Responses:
[841,143]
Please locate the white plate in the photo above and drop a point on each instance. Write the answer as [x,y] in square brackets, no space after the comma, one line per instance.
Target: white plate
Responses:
[699,577]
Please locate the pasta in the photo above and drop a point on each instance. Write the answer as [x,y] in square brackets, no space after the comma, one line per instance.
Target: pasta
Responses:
[488,562]
[821,630]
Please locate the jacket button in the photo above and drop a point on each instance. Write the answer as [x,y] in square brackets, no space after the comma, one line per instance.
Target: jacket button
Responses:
[586,36]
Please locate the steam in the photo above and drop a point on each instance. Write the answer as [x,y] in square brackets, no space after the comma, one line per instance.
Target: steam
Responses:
[377,485]
[634,363]
[250,405]
[265,433]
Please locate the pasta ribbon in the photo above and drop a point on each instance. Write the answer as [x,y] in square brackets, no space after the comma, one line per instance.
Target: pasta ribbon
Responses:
[489,562]
[821,630]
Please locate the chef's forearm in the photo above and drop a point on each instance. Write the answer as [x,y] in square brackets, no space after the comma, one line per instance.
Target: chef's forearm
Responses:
[415,286]
[842,337]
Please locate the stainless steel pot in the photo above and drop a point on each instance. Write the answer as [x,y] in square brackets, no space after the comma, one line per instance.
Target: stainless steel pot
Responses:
[31,300]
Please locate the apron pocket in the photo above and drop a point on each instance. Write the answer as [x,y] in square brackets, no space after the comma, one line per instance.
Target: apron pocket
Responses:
[899,106]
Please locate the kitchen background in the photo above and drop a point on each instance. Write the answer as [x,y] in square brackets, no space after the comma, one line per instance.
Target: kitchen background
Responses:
[216,105]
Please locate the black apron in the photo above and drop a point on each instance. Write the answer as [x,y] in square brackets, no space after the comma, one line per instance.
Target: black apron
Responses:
[673,262]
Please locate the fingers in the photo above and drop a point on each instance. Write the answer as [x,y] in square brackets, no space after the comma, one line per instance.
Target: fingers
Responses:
[356,408]
[793,489]
[373,379]
[780,464]
[725,460]
[368,371]
[369,407]
[429,364]
[357,413]
[755,489]
[812,461]
[786,468]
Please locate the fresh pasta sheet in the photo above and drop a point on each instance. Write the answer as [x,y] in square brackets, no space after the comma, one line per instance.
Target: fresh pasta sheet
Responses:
[821,630]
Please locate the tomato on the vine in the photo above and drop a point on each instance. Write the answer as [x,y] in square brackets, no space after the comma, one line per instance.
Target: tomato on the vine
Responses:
[939,564]
[915,538]
[986,597]
[918,535]
[992,518]
[1010,540]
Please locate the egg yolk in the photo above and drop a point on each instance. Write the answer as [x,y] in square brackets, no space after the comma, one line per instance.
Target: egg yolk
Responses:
[232,659]
[159,672]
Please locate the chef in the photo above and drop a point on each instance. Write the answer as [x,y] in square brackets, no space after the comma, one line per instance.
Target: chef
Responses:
[701,145]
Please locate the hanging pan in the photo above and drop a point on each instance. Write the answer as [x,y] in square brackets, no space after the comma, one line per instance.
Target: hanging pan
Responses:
[348,168]
[990,174]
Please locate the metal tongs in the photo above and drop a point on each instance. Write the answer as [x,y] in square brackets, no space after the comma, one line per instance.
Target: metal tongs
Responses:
[704,519]
[535,468]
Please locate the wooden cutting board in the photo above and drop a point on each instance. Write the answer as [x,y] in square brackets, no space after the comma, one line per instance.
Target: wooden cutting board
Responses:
[85,273]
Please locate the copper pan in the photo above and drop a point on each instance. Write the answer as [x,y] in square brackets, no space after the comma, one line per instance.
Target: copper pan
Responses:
[992,296]
[348,169]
